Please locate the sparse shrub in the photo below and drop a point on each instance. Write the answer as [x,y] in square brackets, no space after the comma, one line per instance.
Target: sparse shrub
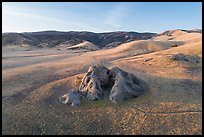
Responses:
[174,45]
[77,82]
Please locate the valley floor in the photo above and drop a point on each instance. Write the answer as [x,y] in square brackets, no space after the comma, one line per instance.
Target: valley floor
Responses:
[32,82]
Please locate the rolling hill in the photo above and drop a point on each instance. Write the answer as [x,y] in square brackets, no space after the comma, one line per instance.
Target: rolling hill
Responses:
[56,38]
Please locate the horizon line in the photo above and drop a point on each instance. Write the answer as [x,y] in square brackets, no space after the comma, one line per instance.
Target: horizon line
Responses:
[99,32]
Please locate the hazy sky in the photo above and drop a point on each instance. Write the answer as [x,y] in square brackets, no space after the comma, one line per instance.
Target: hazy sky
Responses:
[100,16]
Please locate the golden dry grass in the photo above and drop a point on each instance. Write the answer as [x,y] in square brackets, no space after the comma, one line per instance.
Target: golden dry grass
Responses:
[172,103]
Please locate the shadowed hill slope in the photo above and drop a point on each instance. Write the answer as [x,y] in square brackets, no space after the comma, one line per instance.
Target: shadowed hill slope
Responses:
[54,38]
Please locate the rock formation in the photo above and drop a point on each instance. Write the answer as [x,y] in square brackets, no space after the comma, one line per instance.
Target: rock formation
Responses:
[71,97]
[92,81]
[183,57]
[125,85]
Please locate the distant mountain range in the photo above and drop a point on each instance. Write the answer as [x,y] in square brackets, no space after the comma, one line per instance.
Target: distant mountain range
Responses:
[57,38]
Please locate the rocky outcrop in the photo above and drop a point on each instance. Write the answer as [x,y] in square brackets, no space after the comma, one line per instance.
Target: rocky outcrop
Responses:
[92,81]
[125,85]
[72,97]
[183,57]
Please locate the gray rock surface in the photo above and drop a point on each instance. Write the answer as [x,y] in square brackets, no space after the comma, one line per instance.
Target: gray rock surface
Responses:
[183,57]
[125,86]
[72,97]
[92,81]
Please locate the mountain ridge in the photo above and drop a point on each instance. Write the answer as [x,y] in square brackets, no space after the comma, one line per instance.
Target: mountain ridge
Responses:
[53,38]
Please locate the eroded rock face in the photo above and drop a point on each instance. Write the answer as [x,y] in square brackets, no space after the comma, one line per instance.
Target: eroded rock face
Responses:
[125,86]
[92,81]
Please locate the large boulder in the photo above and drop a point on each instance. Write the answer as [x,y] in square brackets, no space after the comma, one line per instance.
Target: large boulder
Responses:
[125,86]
